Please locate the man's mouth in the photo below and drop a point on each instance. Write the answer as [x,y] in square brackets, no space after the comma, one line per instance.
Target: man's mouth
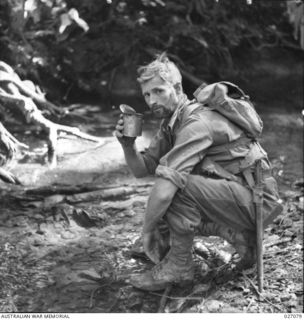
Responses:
[157,110]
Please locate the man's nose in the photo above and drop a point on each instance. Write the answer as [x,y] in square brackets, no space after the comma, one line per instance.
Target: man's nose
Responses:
[152,100]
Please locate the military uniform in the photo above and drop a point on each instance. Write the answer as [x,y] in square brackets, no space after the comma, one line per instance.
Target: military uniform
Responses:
[178,153]
[210,158]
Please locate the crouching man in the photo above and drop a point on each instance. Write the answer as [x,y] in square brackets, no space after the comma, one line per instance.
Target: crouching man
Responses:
[198,156]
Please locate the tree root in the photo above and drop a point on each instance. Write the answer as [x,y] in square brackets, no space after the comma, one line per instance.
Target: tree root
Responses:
[20,98]
[8,146]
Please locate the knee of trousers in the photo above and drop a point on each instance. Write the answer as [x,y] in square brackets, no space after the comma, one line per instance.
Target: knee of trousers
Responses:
[183,216]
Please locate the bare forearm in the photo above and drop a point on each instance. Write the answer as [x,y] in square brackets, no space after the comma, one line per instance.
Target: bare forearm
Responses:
[155,211]
[135,161]
[159,201]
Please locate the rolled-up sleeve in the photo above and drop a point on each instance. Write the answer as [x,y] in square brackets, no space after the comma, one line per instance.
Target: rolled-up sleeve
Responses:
[191,142]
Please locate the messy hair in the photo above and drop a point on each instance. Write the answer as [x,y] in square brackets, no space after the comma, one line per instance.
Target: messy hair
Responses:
[162,67]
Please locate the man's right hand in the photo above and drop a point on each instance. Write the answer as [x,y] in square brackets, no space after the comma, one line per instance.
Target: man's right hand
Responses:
[151,244]
[123,140]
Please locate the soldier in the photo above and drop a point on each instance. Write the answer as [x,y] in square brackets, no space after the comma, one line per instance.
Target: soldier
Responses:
[198,157]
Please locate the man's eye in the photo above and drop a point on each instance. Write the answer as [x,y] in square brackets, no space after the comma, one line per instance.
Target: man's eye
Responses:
[158,91]
[146,95]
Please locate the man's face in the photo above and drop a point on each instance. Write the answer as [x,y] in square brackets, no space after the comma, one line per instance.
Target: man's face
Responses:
[160,96]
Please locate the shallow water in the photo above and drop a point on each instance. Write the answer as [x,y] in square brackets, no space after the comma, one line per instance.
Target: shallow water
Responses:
[83,161]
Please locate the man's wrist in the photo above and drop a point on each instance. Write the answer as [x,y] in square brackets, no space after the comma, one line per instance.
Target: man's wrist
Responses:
[128,147]
[128,143]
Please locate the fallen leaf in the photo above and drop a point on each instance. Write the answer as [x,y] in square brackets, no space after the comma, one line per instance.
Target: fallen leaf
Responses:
[200,288]
[214,305]
[90,274]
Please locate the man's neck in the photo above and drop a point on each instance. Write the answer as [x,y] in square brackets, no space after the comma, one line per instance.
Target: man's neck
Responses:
[183,101]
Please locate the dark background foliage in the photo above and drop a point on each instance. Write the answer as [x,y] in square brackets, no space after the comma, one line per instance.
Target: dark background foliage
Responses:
[208,39]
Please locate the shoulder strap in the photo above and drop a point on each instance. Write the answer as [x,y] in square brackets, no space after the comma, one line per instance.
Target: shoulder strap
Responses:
[241,141]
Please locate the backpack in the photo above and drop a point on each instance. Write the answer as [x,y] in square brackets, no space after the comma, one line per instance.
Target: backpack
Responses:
[233,104]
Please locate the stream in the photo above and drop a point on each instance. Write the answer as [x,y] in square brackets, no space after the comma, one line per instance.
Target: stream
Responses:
[282,138]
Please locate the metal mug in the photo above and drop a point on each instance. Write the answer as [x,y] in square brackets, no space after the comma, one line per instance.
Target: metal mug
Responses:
[132,124]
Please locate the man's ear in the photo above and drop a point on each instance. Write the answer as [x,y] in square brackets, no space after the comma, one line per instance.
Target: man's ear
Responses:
[178,88]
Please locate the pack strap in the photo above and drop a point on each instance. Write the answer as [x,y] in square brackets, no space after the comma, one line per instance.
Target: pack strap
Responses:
[248,176]
[236,89]
[241,141]
[255,178]
[240,165]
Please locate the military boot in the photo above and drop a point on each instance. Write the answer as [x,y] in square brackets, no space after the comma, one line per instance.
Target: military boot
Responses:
[243,242]
[177,267]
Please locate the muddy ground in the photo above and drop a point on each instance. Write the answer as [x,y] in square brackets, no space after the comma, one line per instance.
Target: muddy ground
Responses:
[66,234]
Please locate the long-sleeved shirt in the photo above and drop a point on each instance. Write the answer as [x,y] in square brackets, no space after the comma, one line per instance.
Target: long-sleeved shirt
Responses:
[183,141]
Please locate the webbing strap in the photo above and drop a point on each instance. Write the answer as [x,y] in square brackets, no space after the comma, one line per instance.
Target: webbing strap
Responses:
[241,141]
[247,173]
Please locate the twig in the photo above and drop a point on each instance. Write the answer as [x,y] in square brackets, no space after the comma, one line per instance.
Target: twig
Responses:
[164,298]
[68,92]
[249,305]
[268,245]
[253,285]
[260,295]
[269,302]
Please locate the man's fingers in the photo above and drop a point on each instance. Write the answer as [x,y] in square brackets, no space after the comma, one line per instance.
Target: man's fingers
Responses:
[119,127]
[153,253]
[151,247]
[153,257]
[118,134]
